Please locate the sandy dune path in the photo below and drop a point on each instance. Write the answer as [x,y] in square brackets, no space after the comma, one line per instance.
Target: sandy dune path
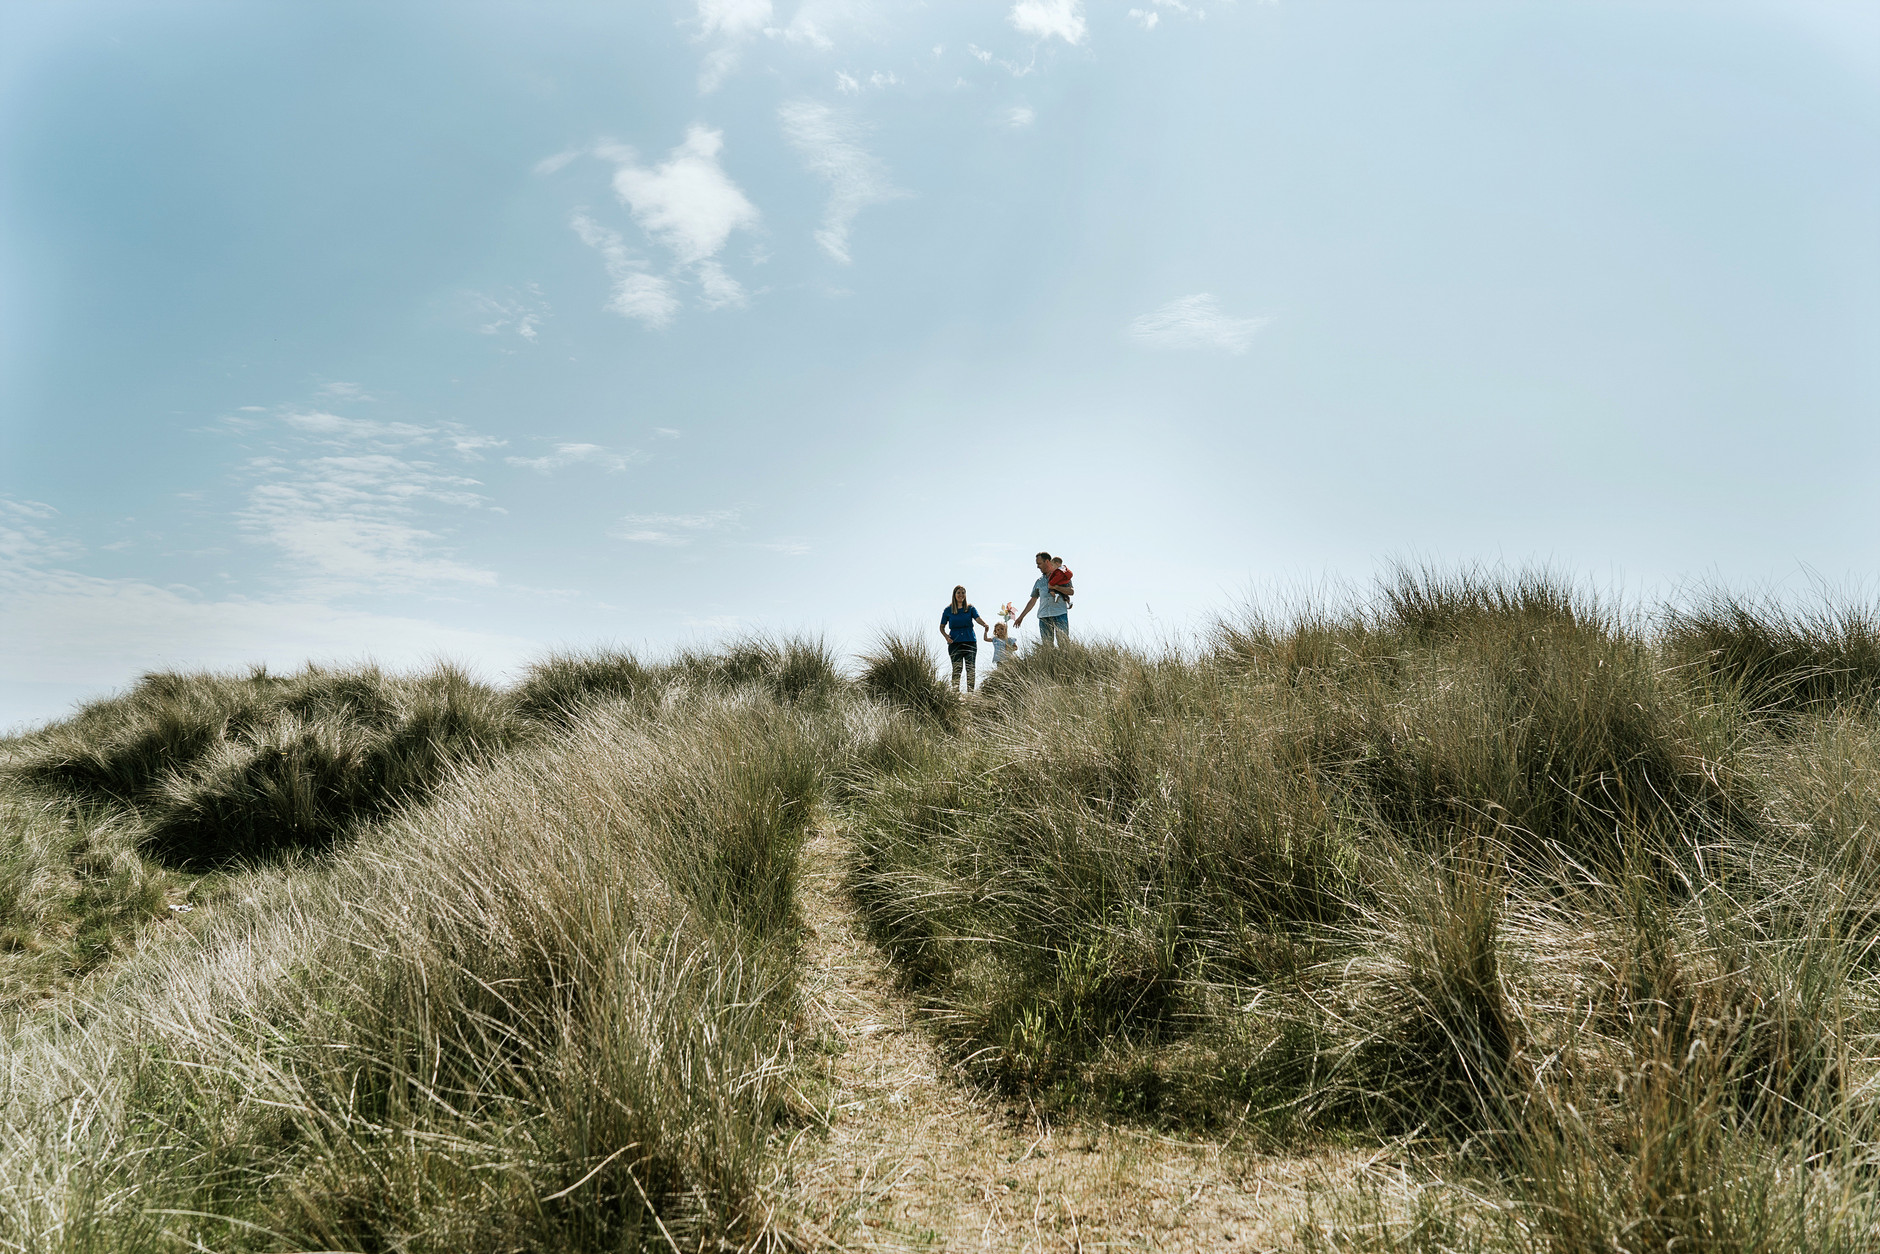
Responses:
[913,1158]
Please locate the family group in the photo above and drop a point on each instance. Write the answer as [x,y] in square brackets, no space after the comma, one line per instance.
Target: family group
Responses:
[1051,594]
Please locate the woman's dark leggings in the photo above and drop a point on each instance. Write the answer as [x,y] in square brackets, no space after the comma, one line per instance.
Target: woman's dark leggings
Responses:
[966,655]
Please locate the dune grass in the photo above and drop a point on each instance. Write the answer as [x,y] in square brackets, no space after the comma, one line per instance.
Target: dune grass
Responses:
[1482,866]
[550,1009]
[1571,911]
[221,769]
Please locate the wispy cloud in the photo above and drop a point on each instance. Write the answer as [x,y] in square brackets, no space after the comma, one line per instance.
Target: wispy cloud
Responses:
[817,23]
[1046,18]
[62,626]
[345,392]
[566,455]
[346,506]
[24,543]
[688,205]
[548,165]
[687,202]
[1149,19]
[1195,322]
[850,85]
[717,66]
[1020,117]
[672,530]
[637,294]
[469,445]
[717,288]
[26,509]
[731,23]
[830,145]
[521,312]
[733,18]
[352,505]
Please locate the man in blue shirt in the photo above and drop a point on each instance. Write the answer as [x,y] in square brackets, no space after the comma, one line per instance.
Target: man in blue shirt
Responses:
[1054,617]
[956,628]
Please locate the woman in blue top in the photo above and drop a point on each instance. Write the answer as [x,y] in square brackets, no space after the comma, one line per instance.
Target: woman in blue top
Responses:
[956,628]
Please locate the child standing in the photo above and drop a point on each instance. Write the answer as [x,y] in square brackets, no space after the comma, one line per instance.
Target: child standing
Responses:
[1003,646]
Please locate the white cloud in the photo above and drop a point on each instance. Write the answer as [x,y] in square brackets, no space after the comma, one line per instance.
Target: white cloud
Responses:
[335,431]
[637,294]
[672,530]
[687,203]
[818,22]
[345,392]
[1021,116]
[717,288]
[982,55]
[805,29]
[24,543]
[710,520]
[1195,322]
[69,628]
[830,147]
[348,504]
[548,165]
[347,524]
[787,547]
[342,519]
[666,433]
[732,22]
[1045,18]
[468,444]
[566,455]
[27,509]
[717,67]
[849,85]
[522,312]
[1149,18]
[646,297]
[733,18]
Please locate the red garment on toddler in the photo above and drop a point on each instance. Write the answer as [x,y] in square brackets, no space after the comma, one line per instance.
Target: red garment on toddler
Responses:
[1061,579]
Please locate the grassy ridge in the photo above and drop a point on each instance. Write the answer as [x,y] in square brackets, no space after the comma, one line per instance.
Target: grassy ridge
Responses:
[1572,901]
[222,768]
[1578,909]
[536,1013]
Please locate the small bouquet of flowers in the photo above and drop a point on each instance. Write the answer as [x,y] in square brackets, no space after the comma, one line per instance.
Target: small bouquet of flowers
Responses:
[1007,613]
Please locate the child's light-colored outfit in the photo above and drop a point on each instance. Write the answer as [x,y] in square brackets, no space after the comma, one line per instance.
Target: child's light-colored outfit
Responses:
[1002,650]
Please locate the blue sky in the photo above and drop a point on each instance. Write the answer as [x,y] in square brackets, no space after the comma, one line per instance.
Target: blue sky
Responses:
[473,330]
